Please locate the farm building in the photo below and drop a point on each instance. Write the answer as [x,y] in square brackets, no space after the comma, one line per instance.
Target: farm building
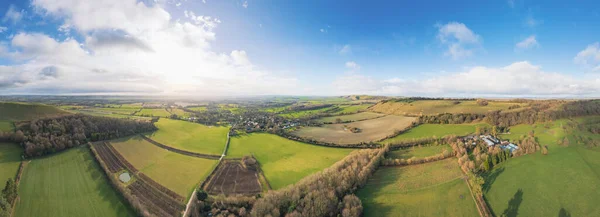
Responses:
[511,147]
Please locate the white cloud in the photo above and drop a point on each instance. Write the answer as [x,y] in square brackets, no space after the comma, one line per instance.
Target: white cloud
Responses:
[245,4]
[529,42]
[323,30]
[461,41]
[589,57]
[517,79]
[13,15]
[2,29]
[352,65]
[138,49]
[346,49]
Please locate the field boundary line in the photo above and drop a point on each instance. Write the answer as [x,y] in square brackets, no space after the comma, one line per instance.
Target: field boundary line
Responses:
[419,189]
[482,206]
[179,151]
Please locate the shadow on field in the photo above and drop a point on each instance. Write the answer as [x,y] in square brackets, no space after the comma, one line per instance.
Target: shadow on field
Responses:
[563,213]
[491,178]
[514,204]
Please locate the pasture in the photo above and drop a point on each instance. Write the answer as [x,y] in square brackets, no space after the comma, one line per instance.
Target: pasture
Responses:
[352,117]
[437,130]
[190,136]
[10,159]
[419,151]
[567,179]
[21,111]
[371,130]
[431,189]
[178,112]
[69,183]
[154,112]
[349,109]
[179,173]
[6,126]
[433,107]
[284,161]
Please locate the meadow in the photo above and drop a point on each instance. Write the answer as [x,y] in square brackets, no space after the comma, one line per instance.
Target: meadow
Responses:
[158,112]
[180,173]
[371,130]
[567,179]
[284,161]
[352,117]
[69,183]
[431,189]
[437,130]
[418,151]
[6,126]
[433,107]
[349,109]
[10,159]
[21,111]
[190,136]
[179,112]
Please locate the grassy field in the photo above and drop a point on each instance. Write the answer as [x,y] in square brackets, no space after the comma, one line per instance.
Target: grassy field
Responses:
[177,172]
[371,130]
[284,161]
[352,117]
[123,111]
[438,130]
[159,112]
[10,158]
[70,183]
[432,107]
[431,189]
[348,109]
[305,113]
[566,179]
[179,112]
[21,111]
[6,126]
[190,136]
[419,152]
[198,109]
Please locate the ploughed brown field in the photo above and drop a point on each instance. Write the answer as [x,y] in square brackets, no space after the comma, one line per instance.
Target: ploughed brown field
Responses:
[232,178]
[370,130]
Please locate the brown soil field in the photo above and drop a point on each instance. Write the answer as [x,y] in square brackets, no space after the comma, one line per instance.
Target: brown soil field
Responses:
[370,130]
[231,178]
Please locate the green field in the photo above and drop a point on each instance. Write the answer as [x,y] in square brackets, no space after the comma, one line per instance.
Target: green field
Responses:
[419,152]
[69,183]
[179,112]
[352,117]
[284,161]
[198,109]
[123,111]
[349,109]
[177,172]
[21,111]
[431,189]
[305,113]
[430,130]
[432,107]
[6,126]
[190,136]
[10,158]
[567,179]
[159,112]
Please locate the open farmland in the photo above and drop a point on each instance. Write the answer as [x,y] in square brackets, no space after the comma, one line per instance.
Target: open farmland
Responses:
[371,130]
[21,111]
[419,152]
[232,178]
[10,158]
[69,183]
[352,117]
[6,126]
[431,189]
[154,112]
[190,136]
[437,130]
[178,112]
[284,161]
[349,109]
[433,107]
[178,172]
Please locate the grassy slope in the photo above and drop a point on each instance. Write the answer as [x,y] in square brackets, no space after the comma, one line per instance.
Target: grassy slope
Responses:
[432,189]
[70,183]
[190,136]
[284,161]
[352,117]
[22,111]
[419,152]
[159,112]
[432,107]
[567,178]
[10,158]
[438,130]
[177,172]
[347,109]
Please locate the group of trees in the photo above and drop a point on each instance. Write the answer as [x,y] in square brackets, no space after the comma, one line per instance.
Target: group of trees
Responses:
[7,198]
[45,136]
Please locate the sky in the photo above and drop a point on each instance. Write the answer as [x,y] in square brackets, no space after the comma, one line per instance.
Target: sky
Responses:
[501,48]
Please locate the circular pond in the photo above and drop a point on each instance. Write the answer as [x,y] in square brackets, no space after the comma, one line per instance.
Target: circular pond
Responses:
[124,177]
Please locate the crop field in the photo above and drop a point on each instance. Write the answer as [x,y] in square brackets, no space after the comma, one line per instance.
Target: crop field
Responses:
[179,112]
[123,111]
[155,112]
[6,126]
[10,158]
[437,130]
[110,115]
[69,183]
[371,130]
[567,178]
[232,178]
[348,109]
[305,113]
[284,161]
[190,136]
[198,109]
[418,152]
[179,173]
[22,111]
[352,117]
[432,107]
[431,189]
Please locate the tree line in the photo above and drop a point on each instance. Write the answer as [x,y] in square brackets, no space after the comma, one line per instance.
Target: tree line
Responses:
[7,197]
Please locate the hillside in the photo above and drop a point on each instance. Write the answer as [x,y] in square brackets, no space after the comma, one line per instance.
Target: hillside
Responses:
[20,111]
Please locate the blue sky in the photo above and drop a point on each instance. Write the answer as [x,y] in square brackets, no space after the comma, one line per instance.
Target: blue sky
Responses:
[425,48]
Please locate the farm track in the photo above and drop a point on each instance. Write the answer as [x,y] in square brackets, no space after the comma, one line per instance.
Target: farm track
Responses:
[179,151]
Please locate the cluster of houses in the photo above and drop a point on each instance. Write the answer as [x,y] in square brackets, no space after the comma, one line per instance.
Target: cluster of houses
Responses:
[491,141]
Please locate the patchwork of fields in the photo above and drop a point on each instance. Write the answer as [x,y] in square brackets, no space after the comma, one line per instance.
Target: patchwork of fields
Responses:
[352,117]
[371,130]
[437,130]
[431,189]
[190,136]
[433,107]
[284,161]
